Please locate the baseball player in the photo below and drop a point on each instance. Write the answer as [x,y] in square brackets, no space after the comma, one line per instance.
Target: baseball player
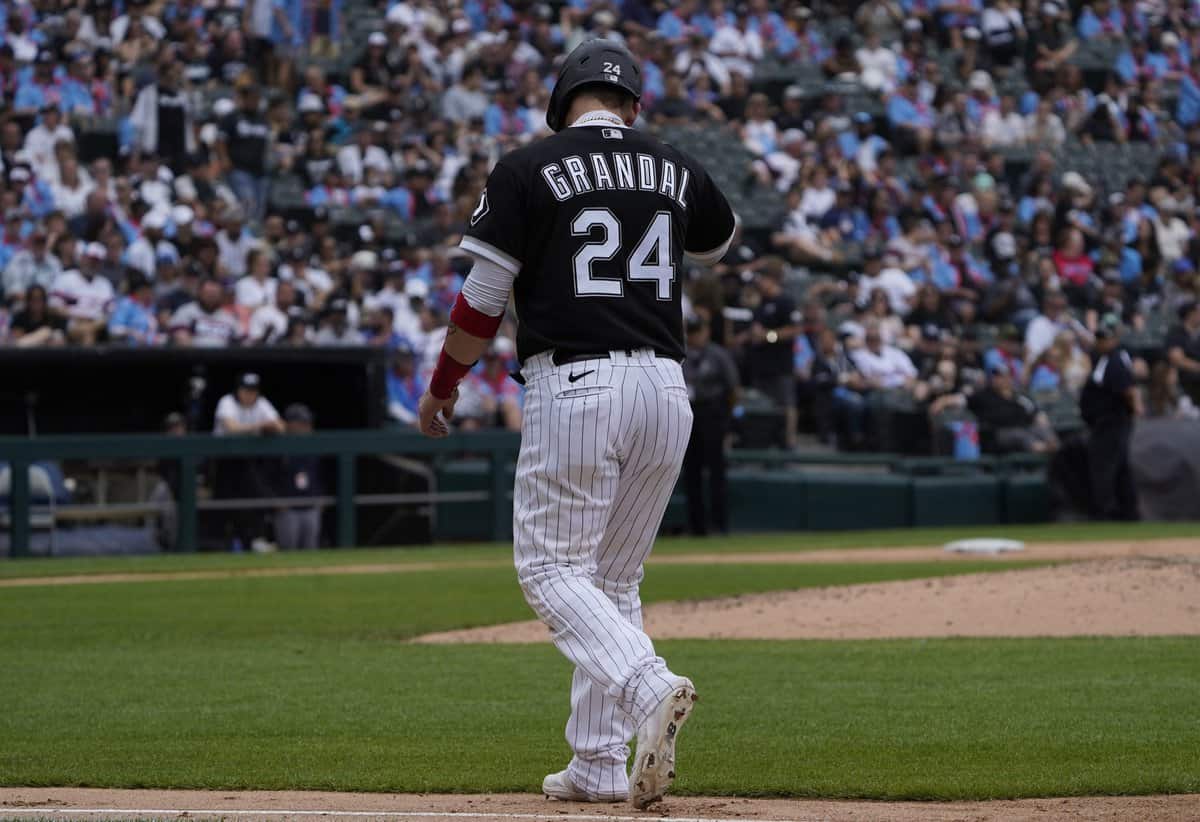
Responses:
[587,229]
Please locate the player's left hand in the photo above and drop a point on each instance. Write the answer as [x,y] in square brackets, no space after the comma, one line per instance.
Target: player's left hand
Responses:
[429,422]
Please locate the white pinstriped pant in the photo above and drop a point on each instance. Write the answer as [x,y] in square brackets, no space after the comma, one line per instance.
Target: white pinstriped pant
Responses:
[599,459]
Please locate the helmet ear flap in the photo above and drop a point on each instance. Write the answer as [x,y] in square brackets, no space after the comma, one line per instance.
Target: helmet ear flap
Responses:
[554,116]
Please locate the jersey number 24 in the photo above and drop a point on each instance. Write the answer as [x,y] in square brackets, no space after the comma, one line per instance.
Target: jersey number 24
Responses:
[649,261]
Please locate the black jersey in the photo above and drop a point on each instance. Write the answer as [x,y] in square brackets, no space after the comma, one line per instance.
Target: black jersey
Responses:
[593,222]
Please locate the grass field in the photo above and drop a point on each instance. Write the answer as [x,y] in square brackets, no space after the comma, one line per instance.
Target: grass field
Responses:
[307,682]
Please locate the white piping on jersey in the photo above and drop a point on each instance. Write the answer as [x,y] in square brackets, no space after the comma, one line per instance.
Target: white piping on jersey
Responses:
[598,117]
[487,287]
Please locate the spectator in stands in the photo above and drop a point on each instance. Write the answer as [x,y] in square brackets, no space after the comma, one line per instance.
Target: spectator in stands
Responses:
[162,118]
[336,327]
[83,298]
[1164,399]
[911,117]
[297,477]
[1003,29]
[243,149]
[1004,127]
[885,17]
[32,266]
[143,253]
[205,322]
[134,322]
[899,288]
[42,140]
[1183,348]
[883,367]
[403,387]
[1043,328]
[501,395]
[1050,44]
[269,322]
[34,325]
[841,389]
[1014,421]
[257,288]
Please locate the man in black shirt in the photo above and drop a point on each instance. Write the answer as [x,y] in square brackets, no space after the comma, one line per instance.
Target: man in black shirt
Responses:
[712,381]
[1183,348]
[1012,419]
[242,149]
[1109,403]
[587,229]
[771,337]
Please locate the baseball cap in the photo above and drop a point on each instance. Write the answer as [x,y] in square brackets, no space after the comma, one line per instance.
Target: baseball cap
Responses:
[249,380]
[1000,367]
[863,117]
[402,348]
[1186,308]
[182,214]
[377,38]
[95,251]
[693,322]
[298,412]
[416,289]
[793,92]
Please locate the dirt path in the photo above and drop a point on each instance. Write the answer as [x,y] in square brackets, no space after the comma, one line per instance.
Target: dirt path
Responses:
[1137,596]
[1039,551]
[83,803]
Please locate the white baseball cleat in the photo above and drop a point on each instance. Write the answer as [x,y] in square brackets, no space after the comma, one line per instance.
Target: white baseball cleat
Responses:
[654,766]
[559,786]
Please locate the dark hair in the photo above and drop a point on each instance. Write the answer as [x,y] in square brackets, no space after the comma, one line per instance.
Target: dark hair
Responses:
[608,96]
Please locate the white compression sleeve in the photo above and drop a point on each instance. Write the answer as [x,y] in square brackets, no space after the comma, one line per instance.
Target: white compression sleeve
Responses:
[487,287]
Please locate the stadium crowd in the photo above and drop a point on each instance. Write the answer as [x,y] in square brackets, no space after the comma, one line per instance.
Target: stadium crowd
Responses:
[173,172]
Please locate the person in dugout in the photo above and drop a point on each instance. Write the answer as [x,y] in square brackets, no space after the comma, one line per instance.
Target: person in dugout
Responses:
[712,381]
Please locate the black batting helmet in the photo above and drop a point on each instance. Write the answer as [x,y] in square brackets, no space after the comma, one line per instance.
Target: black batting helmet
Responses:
[596,62]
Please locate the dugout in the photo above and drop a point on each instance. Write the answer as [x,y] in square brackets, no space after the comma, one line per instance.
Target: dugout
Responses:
[114,389]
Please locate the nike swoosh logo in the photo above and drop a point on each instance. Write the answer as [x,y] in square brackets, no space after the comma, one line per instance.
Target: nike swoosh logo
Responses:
[574,377]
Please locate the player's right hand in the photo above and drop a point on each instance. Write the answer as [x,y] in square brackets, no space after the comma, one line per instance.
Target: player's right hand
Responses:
[428,420]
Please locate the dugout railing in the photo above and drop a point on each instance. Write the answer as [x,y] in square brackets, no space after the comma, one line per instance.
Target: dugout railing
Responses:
[345,448]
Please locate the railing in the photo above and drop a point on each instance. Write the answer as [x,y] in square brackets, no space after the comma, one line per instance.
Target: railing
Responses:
[345,446]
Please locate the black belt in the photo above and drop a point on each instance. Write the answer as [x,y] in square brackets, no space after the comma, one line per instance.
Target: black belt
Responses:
[566,357]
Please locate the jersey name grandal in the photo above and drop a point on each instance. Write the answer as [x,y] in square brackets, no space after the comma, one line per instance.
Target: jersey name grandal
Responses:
[619,170]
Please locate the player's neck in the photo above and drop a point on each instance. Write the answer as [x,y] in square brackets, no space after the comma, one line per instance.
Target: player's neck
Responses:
[596,116]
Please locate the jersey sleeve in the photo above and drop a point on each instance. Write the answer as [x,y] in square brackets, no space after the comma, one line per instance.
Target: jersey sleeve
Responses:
[496,230]
[711,223]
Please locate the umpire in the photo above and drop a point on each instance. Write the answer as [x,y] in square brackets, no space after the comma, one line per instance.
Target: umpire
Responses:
[1108,404]
[712,381]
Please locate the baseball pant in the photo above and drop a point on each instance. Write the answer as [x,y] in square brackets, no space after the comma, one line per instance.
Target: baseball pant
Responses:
[298,529]
[602,443]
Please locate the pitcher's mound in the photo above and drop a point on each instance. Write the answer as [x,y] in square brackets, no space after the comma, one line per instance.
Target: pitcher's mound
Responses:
[1114,597]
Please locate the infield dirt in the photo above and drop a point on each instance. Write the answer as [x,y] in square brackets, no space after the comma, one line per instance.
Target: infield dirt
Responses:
[75,803]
